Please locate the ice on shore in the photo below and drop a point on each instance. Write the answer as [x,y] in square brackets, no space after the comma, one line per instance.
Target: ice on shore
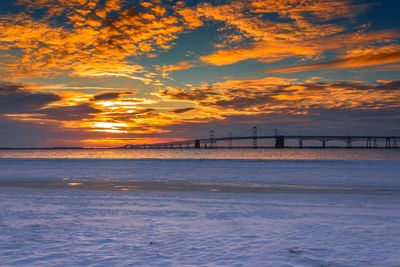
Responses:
[358,173]
[77,228]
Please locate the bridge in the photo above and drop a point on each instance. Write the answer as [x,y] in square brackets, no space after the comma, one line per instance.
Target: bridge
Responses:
[278,141]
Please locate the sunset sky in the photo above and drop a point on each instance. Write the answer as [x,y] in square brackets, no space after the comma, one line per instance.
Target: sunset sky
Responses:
[100,73]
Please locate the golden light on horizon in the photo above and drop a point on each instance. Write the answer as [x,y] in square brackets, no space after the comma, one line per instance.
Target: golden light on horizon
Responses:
[110,127]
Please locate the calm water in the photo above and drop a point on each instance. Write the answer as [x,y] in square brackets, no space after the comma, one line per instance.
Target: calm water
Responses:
[265,154]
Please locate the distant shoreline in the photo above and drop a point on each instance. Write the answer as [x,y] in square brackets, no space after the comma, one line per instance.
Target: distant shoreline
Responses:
[42,148]
[191,148]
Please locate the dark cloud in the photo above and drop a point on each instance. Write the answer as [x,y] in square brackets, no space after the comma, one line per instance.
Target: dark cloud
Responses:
[129,117]
[242,102]
[14,133]
[182,110]
[70,113]
[393,85]
[15,99]
[193,95]
[108,96]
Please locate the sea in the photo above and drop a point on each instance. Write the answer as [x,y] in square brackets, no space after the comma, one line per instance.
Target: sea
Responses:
[200,207]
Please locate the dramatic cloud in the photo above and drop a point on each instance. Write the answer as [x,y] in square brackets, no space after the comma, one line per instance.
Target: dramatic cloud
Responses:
[102,71]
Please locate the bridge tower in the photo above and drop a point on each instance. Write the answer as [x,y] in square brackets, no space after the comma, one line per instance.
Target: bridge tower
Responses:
[279,141]
[254,137]
[230,140]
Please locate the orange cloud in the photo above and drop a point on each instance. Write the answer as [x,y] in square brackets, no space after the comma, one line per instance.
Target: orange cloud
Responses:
[244,17]
[275,51]
[100,38]
[354,59]
[262,51]
[302,29]
[166,69]
[95,40]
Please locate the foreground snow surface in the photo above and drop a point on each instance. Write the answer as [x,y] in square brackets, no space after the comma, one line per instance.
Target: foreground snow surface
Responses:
[312,213]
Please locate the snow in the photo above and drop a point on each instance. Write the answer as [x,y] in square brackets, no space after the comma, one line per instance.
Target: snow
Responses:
[43,227]
[353,219]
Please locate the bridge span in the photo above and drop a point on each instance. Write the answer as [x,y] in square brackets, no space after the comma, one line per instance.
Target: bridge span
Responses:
[279,141]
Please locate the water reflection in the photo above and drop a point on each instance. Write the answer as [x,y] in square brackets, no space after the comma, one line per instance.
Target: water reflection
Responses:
[74,184]
[272,154]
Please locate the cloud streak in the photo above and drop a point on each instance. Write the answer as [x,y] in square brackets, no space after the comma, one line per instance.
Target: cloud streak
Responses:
[275,51]
[373,57]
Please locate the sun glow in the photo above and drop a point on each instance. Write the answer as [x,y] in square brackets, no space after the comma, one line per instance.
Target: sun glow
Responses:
[111,127]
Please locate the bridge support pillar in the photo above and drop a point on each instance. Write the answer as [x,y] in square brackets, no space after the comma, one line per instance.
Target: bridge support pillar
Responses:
[323,142]
[388,142]
[368,142]
[349,143]
[197,144]
[254,137]
[301,142]
[279,141]
[395,142]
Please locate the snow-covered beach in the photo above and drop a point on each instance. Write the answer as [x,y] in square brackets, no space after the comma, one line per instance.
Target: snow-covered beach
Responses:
[133,211]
